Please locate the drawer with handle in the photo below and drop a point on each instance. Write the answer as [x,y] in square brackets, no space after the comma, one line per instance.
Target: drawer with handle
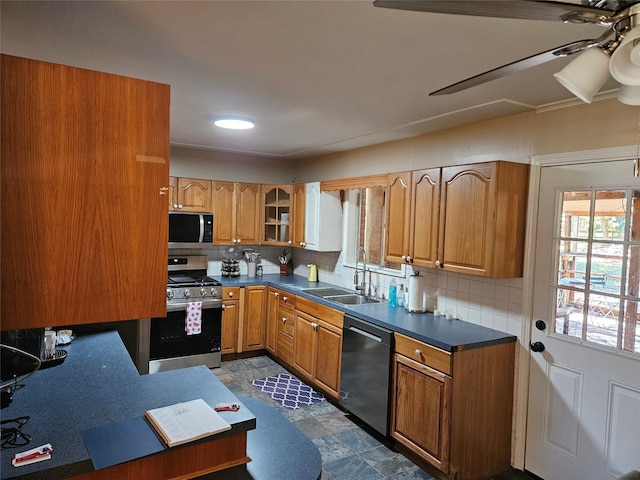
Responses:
[421,352]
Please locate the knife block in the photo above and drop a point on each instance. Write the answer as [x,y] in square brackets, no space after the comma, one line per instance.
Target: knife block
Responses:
[286,268]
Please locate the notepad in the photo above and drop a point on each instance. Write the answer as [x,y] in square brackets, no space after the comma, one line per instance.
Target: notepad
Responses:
[187,421]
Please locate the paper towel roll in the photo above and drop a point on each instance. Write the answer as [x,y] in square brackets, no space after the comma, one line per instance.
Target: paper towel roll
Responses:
[416,294]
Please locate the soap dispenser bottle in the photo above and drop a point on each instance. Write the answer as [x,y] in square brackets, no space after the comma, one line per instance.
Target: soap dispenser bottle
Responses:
[393,294]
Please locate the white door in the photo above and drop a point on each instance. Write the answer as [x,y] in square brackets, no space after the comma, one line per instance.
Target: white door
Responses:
[584,392]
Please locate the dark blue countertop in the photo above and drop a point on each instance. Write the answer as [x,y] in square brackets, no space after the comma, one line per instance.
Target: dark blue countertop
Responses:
[96,385]
[449,335]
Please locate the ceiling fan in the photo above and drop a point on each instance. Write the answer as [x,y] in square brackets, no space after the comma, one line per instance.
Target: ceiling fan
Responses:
[616,52]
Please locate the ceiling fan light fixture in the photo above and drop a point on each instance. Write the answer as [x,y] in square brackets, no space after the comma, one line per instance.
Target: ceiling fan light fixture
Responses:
[625,60]
[586,74]
[234,123]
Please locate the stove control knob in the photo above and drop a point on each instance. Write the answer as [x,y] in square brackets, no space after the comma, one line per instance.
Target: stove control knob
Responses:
[202,292]
[187,293]
[214,292]
[169,294]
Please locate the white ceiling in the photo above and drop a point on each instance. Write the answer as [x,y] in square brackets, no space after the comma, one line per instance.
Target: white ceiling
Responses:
[317,76]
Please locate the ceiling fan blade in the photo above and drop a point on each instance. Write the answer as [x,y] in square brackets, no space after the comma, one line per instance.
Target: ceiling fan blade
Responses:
[521,9]
[517,66]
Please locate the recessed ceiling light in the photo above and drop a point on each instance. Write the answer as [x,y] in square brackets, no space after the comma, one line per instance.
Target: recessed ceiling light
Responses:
[234,123]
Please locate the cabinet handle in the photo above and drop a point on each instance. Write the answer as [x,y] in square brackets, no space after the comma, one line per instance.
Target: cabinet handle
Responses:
[404,258]
[289,242]
[409,259]
[418,352]
[230,294]
[284,299]
[238,240]
[223,306]
[437,263]
[315,326]
[276,294]
[175,205]
[284,319]
[179,205]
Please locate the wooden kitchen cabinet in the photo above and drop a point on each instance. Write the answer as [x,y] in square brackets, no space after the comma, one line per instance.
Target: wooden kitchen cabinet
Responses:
[317,345]
[190,194]
[465,219]
[84,185]
[299,213]
[230,319]
[398,212]
[236,213]
[277,215]
[280,324]
[454,410]
[253,322]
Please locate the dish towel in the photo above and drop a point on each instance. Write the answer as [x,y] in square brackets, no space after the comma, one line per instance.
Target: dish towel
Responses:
[193,319]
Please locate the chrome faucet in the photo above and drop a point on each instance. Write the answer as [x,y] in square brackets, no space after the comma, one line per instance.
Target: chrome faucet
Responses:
[356,278]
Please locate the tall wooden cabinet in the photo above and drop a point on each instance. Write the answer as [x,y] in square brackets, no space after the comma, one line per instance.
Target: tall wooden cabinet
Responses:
[190,194]
[467,219]
[84,180]
[230,319]
[236,213]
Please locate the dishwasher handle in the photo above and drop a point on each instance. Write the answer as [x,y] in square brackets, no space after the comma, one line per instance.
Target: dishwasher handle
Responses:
[374,332]
[366,334]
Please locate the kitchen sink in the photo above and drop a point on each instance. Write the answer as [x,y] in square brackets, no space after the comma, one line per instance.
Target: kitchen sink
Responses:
[351,299]
[326,292]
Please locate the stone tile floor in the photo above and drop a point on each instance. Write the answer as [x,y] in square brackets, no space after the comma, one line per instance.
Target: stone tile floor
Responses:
[348,451]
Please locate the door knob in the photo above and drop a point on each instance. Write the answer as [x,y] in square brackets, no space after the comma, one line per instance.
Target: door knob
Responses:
[537,347]
[540,325]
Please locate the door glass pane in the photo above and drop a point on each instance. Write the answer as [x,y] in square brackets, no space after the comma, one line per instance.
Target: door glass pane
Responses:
[598,276]
[575,214]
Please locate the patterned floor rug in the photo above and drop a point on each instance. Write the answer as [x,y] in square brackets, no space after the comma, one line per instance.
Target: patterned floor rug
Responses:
[290,392]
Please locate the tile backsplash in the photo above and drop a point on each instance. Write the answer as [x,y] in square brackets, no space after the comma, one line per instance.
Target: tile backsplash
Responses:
[491,303]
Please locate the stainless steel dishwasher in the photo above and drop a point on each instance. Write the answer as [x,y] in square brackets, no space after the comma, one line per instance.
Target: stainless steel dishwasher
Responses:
[365,372]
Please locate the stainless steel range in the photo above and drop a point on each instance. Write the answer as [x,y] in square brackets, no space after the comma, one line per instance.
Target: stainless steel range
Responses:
[175,341]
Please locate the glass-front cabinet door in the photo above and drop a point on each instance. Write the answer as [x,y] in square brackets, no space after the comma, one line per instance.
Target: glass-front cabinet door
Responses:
[278,216]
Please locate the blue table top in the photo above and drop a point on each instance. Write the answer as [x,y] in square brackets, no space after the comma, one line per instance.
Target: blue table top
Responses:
[449,335]
[96,385]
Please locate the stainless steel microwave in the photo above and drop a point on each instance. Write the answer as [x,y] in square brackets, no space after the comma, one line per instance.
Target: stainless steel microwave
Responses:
[190,230]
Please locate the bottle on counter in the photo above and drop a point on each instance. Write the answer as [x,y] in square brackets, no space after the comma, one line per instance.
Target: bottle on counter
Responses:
[406,298]
[400,301]
[393,294]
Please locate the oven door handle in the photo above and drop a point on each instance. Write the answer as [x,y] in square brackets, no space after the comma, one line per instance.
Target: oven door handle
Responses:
[208,303]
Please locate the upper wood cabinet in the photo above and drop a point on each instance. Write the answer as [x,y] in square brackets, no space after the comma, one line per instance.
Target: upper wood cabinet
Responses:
[190,194]
[466,219]
[483,219]
[278,214]
[84,180]
[236,213]
[299,214]
[398,216]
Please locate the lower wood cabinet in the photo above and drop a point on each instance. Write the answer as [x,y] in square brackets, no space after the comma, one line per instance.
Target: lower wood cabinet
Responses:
[253,321]
[454,410]
[421,414]
[317,345]
[243,318]
[230,319]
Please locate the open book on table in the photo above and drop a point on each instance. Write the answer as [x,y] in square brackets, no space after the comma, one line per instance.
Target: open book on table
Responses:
[186,422]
